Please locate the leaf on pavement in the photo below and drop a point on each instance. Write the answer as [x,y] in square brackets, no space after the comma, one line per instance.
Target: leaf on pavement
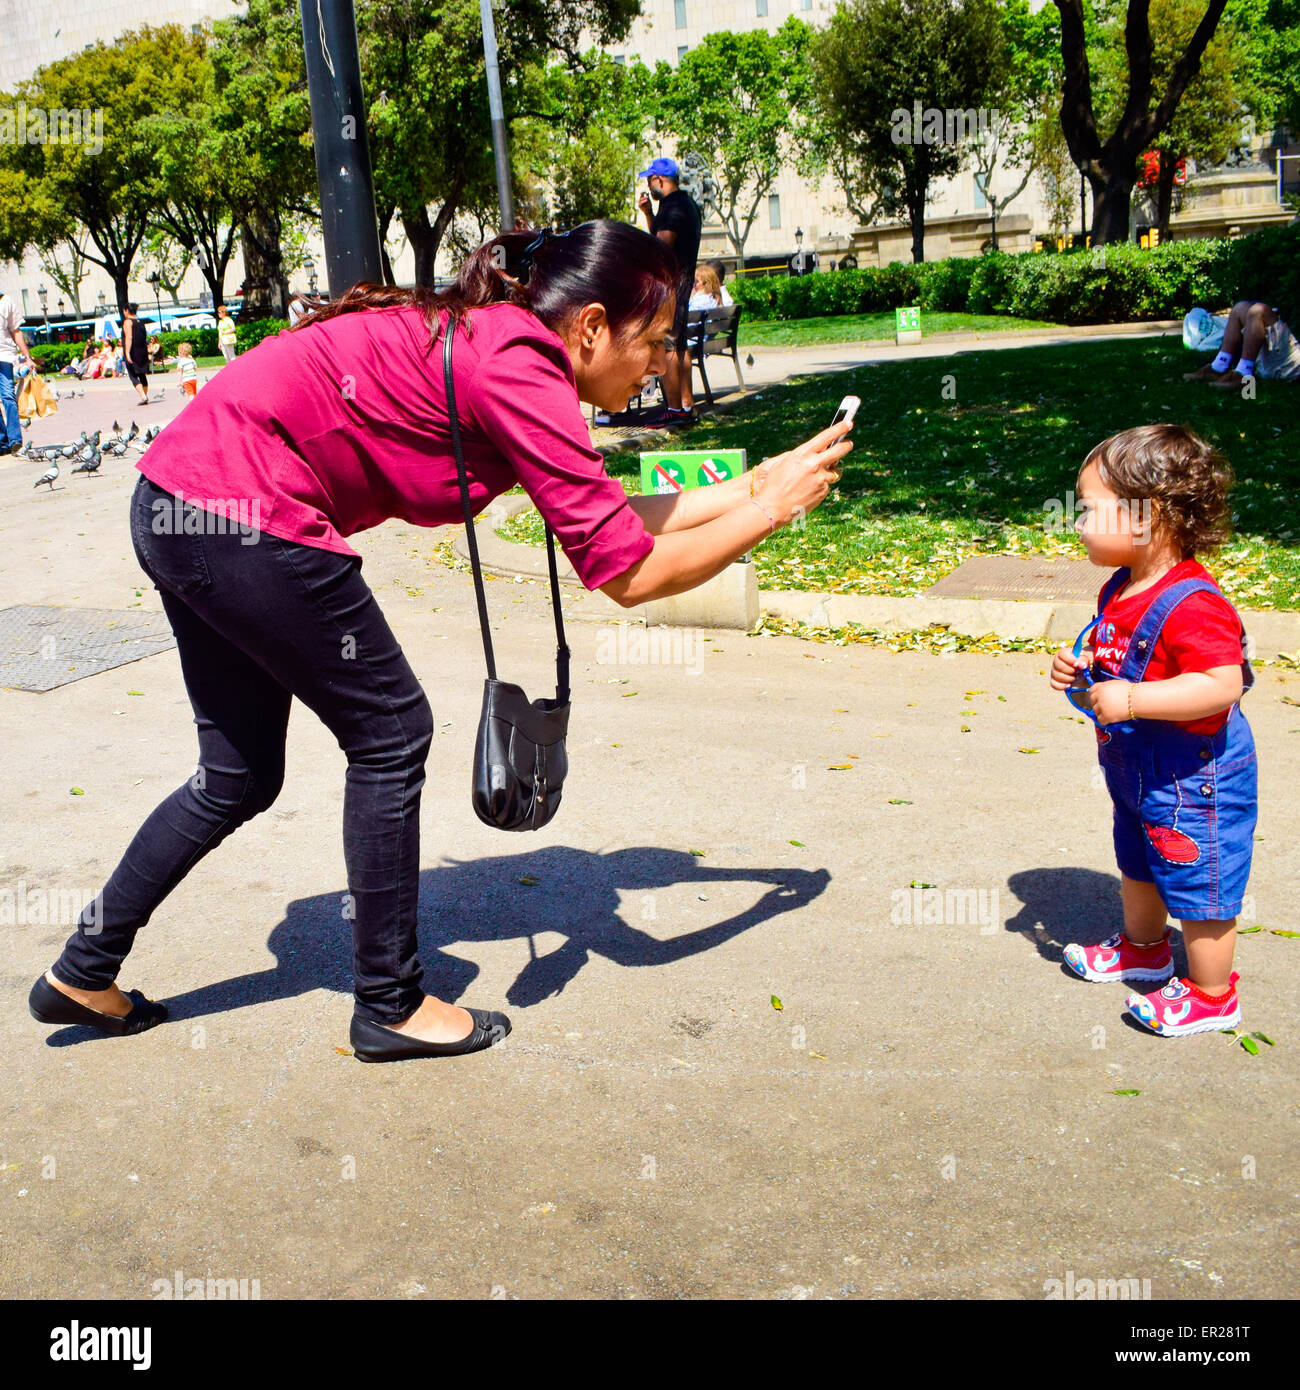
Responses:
[777,1004]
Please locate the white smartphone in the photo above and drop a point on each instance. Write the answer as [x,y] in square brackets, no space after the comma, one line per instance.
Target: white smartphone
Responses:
[848,409]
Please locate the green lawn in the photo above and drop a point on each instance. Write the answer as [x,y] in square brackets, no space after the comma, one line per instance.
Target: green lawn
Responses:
[863,328]
[933,481]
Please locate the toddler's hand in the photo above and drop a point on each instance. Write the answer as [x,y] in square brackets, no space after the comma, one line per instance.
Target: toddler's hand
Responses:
[1110,701]
[1066,667]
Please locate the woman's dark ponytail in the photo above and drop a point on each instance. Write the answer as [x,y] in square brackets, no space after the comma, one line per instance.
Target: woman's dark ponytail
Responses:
[630,272]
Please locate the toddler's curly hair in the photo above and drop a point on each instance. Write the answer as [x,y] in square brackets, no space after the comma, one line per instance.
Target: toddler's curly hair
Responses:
[1186,479]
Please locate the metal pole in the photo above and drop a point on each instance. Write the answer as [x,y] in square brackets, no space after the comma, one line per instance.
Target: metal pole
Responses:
[1083,207]
[338,123]
[499,147]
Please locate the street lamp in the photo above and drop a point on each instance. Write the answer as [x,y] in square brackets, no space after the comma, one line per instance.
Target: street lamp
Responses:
[155,279]
[101,303]
[1083,204]
[43,295]
[310,268]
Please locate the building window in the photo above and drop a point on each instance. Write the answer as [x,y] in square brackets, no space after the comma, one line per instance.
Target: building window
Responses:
[681,14]
[760,8]
[774,210]
[196,28]
[620,59]
[26,309]
[681,52]
[981,191]
[805,4]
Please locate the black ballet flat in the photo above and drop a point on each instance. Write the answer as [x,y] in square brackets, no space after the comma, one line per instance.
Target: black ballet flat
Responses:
[372,1042]
[49,1005]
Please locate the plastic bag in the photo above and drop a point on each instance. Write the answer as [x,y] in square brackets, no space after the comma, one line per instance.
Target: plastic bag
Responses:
[1203,331]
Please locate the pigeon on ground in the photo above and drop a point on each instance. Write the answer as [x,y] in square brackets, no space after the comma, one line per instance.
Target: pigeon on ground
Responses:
[135,429]
[152,433]
[91,465]
[48,476]
[749,360]
[117,429]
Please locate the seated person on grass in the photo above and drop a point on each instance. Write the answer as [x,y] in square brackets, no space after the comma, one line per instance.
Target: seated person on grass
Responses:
[1260,341]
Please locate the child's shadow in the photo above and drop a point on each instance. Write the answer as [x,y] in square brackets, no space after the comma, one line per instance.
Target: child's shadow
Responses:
[1064,905]
[577,896]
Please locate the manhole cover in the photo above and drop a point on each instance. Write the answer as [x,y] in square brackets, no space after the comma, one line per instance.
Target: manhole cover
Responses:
[1021,577]
[42,648]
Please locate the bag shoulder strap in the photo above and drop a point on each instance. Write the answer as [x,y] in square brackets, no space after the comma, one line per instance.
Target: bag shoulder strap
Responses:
[562,649]
[1142,644]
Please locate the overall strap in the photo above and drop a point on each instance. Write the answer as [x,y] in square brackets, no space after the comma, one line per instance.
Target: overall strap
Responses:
[1142,644]
[562,650]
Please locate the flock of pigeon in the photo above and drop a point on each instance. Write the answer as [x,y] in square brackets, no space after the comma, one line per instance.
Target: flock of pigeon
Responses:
[88,451]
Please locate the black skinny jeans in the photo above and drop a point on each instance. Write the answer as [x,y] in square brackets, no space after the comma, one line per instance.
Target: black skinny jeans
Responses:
[257,623]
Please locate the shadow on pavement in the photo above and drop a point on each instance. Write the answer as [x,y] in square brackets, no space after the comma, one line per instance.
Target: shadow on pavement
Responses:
[577,896]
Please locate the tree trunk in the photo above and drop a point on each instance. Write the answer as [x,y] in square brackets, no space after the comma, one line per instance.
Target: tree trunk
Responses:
[424,244]
[916,212]
[266,293]
[1110,209]
[1165,191]
[121,276]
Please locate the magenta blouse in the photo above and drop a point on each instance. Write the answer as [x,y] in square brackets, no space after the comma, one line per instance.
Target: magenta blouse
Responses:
[339,426]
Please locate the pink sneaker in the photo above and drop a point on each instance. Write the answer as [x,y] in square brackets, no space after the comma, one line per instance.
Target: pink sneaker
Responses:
[1117,958]
[1182,1008]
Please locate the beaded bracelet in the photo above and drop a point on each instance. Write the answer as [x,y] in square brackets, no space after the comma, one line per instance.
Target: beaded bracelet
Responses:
[770,518]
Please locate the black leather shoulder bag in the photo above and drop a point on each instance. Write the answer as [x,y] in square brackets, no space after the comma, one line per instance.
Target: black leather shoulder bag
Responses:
[519,755]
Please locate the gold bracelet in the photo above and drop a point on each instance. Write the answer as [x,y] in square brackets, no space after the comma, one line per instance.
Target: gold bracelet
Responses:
[1131,715]
[751,482]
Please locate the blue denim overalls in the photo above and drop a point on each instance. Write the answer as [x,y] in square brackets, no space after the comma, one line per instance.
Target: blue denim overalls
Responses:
[1185,803]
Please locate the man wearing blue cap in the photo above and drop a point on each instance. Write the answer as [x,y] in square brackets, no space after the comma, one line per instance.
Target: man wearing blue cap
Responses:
[677,224]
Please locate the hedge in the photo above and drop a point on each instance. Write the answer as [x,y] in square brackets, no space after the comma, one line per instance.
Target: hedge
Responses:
[1112,284]
[55,356]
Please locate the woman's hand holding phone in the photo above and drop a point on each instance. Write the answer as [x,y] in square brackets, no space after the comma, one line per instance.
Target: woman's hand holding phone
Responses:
[796,482]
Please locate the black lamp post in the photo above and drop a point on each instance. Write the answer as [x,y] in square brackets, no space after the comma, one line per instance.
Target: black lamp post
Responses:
[1083,205]
[310,268]
[43,294]
[101,302]
[338,123]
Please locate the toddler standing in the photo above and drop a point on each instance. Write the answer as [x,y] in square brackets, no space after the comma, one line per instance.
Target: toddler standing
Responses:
[1162,678]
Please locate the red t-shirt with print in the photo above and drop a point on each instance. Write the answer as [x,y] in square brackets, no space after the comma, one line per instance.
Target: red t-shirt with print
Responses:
[1203,631]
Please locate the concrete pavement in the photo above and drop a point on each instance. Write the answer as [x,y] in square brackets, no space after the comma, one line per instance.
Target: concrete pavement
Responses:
[930,1113]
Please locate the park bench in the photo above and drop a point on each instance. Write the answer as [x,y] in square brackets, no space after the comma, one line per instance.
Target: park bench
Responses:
[713,333]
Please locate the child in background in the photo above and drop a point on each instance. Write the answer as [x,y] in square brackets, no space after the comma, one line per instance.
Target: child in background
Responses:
[1162,679]
[188,369]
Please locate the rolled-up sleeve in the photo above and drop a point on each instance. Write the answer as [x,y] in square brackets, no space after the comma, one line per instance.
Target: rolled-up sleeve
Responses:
[524,399]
